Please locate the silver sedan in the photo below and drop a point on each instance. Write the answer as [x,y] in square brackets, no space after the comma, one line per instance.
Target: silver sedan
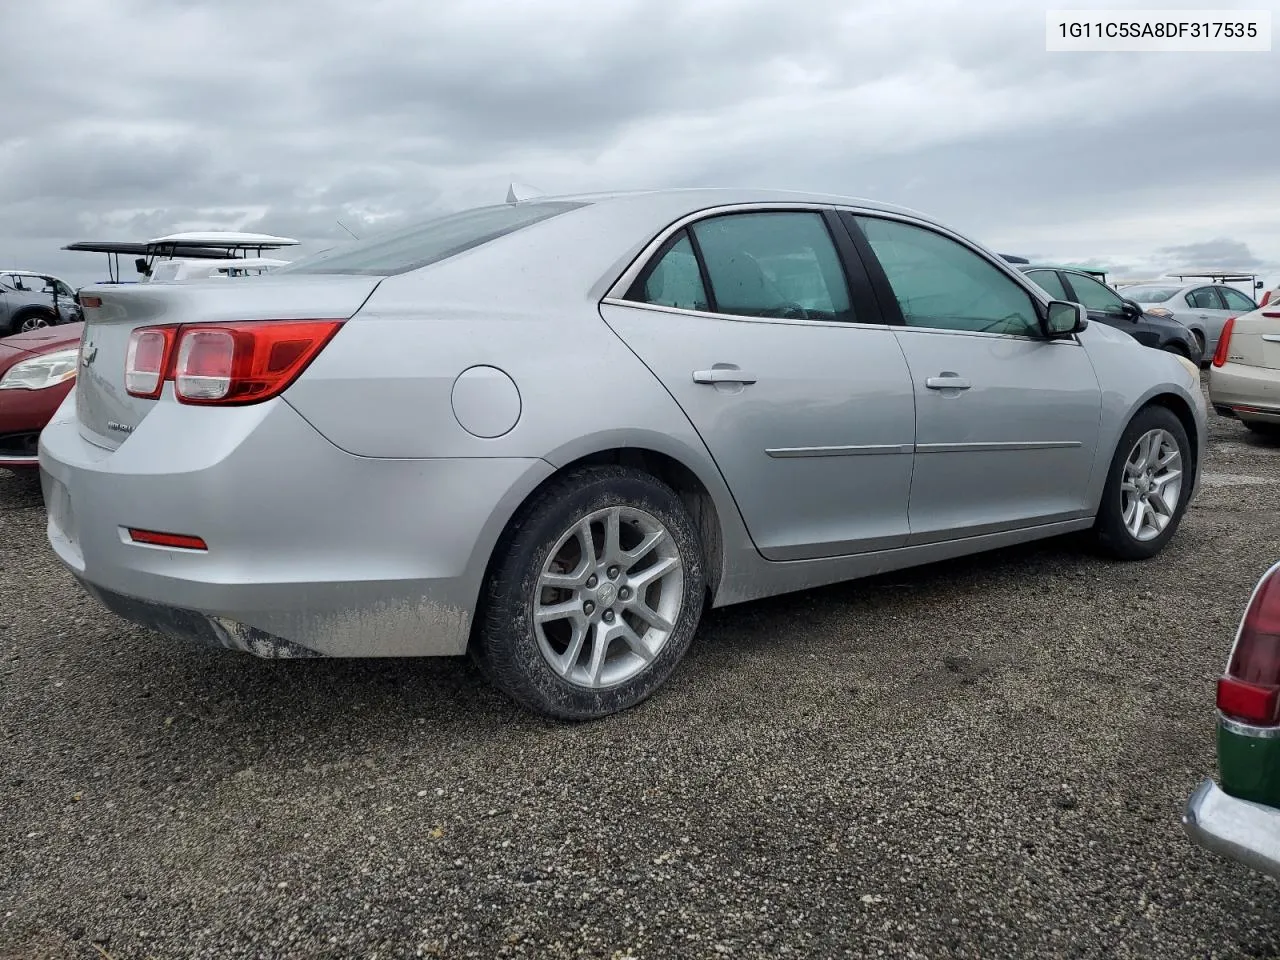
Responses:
[550,433]
[1204,308]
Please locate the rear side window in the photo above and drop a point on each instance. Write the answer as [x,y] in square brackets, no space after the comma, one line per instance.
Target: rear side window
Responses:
[777,265]
[1206,298]
[424,243]
[675,280]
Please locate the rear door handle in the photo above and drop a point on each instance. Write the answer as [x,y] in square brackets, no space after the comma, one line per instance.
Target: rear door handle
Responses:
[722,375]
[948,381]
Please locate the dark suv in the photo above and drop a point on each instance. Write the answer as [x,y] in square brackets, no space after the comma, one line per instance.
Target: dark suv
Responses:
[1107,306]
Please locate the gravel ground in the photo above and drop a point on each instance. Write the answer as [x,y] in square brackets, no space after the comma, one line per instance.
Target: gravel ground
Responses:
[979,759]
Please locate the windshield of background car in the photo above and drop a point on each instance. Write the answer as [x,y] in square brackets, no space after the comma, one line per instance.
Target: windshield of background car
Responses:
[1145,294]
[408,248]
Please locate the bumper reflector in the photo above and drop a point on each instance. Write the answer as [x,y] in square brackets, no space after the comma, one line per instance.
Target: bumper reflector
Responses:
[179,540]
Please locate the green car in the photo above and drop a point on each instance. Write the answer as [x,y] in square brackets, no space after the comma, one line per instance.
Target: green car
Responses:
[1241,818]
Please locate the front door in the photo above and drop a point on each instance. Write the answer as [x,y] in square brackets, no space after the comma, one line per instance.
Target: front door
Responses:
[801,396]
[1006,420]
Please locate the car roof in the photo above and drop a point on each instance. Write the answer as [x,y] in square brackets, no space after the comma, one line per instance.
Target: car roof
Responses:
[698,198]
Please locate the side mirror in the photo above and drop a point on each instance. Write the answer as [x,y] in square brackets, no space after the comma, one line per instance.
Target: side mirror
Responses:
[1063,319]
[1132,309]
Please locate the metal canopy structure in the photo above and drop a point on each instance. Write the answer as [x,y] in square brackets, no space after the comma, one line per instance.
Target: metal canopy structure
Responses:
[210,245]
[1223,276]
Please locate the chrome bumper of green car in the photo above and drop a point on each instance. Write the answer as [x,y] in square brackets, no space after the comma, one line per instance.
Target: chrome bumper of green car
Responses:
[1235,828]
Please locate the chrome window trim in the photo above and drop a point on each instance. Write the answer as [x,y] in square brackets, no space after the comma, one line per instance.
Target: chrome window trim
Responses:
[783,321]
[617,291]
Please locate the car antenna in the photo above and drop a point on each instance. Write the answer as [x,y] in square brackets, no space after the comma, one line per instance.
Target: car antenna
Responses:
[522,191]
[348,229]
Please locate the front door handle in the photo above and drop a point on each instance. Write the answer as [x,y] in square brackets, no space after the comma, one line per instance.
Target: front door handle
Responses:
[947,381]
[722,375]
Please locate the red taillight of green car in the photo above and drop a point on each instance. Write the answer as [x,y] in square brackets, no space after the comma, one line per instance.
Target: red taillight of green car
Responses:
[1249,701]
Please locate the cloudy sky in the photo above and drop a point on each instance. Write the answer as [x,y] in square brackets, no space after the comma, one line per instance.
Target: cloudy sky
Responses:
[129,119]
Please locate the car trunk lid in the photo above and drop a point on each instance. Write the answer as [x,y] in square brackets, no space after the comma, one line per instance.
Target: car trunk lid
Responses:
[1255,339]
[107,414]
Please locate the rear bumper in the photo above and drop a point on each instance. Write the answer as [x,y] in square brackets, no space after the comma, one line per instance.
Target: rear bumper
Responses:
[1237,829]
[1250,393]
[310,549]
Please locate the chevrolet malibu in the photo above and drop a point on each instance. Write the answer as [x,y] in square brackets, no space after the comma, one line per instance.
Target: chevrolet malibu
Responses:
[550,433]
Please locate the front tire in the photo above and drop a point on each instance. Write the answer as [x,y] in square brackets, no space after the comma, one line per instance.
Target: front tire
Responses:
[594,595]
[1151,475]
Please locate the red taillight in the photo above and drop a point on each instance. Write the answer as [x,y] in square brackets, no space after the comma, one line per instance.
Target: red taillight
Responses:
[1224,343]
[156,539]
[88,300]
[1250,690]
[1273,314]
[147,361]
[1266,298]
[225,363]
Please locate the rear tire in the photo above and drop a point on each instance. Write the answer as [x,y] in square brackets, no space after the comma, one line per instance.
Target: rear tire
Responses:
[1263,429]
[577,630]
[1152,465]
[33,320]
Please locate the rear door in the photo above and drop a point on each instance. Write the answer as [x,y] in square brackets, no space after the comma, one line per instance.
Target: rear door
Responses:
[800,393]
[1207,306]
[1006,420]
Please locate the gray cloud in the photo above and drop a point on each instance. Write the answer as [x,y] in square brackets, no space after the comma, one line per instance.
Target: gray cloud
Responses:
[1220,253]
[282,117]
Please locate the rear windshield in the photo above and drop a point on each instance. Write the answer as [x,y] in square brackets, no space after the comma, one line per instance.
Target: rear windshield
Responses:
[399,251]
[1150,294]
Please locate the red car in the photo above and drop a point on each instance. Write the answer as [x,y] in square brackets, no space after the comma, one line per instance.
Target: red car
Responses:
[37,371]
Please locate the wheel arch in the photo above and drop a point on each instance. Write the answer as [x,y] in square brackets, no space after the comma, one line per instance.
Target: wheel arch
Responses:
[1181,409]
[695,492]
[31,310]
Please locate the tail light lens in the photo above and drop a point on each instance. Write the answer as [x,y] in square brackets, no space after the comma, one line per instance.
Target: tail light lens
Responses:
[1273,314]
[1224,343]
[1250,691]
[228,363]
[1266,298]
[147,360]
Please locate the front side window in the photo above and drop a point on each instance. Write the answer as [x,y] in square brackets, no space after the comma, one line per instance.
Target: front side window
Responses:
[941,283]
[1050,283]
[777,265]
[674,281]
[1206,298]
[1237,300]
[1096,296]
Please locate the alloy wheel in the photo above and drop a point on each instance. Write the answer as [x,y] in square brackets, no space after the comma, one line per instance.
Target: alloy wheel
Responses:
[1152,485]
[608,597]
